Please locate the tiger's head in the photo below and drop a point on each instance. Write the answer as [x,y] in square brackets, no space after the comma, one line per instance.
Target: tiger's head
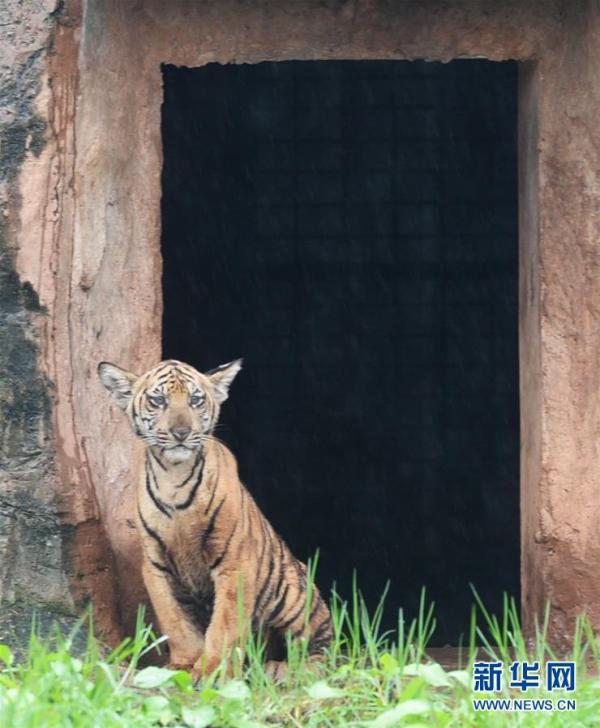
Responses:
[172,407]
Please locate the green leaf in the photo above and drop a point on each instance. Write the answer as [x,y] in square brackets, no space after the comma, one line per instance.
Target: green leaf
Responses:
[235,690]
[440,718]
[411,669]
[208,695]
[159,708]
[59,668]
[6,655]
[156,702]
[344,670]
[183,680]
[412,689]
[433,674]
[389,664]
[152,677]
[199,717]
[461,676]
[322,691]
[106,671]
[392,717]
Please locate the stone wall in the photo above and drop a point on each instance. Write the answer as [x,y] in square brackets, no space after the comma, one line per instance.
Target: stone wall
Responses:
[53,548]
[559,331]
[81,200]
[32,538]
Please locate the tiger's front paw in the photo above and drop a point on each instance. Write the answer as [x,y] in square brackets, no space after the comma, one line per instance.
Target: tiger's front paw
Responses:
[204,666]
[180,665]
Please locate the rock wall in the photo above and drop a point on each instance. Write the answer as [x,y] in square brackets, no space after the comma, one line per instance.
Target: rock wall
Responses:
[53,548]
[32,539]
[560,332]
[80,260]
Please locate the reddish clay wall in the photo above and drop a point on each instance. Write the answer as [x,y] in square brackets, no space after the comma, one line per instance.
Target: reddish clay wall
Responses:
[560,306]
[95,263]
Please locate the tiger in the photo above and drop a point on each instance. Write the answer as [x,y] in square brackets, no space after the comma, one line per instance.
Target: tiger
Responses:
[206,544]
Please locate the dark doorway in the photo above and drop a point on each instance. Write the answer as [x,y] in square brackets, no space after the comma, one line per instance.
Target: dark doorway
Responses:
[350,229]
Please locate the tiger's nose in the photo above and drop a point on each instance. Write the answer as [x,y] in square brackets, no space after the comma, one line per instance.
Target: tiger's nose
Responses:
[180,433]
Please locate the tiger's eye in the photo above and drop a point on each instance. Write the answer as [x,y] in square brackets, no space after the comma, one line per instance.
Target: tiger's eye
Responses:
[196,400]
[157,399]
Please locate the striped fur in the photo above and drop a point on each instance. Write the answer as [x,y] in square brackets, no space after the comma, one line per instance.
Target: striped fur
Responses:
[203,535]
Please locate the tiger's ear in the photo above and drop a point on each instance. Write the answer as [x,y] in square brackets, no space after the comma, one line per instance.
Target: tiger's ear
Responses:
[118,382]
[221,378]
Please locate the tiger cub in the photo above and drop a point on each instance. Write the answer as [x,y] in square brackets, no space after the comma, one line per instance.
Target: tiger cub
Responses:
[206,543]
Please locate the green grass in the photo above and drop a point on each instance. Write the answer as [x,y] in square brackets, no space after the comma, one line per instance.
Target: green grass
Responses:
[366,679]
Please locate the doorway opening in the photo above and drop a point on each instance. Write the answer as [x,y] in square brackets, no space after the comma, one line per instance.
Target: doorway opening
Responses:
[349,228]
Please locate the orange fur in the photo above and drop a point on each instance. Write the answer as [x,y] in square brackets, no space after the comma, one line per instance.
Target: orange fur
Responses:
[203,535]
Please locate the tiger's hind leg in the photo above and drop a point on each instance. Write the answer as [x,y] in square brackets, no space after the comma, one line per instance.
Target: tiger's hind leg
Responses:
[292,620]
[276,666]
[277,670]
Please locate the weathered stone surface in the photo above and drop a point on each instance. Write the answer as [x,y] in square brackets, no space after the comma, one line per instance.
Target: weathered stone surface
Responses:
[87,228]
[31,537]
[17,618]
[52,543]
[560,335]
